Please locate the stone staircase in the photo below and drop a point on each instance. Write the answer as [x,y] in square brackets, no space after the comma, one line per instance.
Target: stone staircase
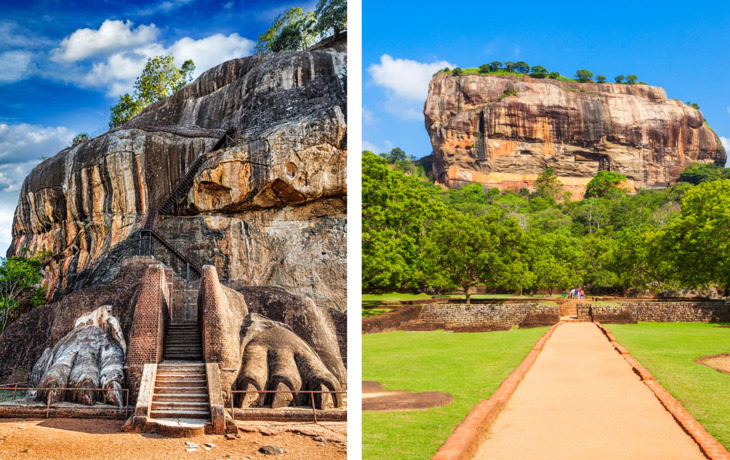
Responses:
[569,308]
[181,392]
[182,342]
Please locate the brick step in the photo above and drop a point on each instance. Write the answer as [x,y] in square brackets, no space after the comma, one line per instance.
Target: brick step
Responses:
[191,366]
[180,383]
[180,397]
[180,374]
[180,405]
[183,357]
[191,414]
[172,390]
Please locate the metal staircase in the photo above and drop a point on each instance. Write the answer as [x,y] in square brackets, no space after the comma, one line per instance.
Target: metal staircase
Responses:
[148,234]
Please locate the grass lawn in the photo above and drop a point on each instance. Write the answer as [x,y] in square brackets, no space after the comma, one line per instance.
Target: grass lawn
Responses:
[374,311]
[8,395]
[393,297]
[470,366]
[669,351]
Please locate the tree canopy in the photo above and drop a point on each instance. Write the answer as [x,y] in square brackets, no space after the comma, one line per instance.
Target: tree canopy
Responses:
[292,30]
[20,283]
[159,79]
[331,15]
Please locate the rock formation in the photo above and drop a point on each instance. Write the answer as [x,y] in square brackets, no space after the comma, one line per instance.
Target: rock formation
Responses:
[503,131]
[267,207]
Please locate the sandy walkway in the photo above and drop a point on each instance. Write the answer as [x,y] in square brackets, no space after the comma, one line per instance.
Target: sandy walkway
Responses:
[581,400]
[66,439]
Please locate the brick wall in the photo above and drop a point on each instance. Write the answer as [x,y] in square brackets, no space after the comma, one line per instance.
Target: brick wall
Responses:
[147,335]
[689,312]
[497,316]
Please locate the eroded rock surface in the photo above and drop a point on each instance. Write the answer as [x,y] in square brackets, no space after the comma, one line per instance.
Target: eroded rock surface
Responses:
[267,208]
[480,134]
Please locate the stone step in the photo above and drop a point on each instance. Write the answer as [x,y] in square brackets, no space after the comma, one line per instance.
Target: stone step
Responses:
[168,390]
[180,405]
[190,414]
[171,375]
[180,397]
[179,383]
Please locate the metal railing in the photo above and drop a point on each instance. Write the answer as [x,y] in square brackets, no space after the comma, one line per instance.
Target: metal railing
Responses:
[311,394]
[17,387]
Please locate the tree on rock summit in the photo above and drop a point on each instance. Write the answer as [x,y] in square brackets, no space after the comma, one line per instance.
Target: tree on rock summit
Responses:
[160,78]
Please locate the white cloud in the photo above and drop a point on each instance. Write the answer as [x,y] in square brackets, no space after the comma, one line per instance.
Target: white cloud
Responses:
[725,143]
[23,143]
[210,51]
[407,79]
[21,149]
[113,36]
[16,65]
[406,83]
[367,115]
[163,7]
[366,145]
[117,71]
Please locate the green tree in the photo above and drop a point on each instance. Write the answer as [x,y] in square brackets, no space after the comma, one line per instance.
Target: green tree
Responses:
[696,173]
[292,30]
[331,15]
[509,65]
[20,280]
[485,68]
[521,67]
[554,260]
[553,75]
[494,65]
[159,79]
[600,79]
[538,71]
[631,79]
[618,78]
[694,105]
[604,183]
[583,75]
[696,244]
[548,185]
[457,71]
[79,138]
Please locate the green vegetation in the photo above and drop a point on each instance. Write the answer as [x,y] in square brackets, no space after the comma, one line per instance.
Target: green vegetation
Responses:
[418,237]
[425,362]
[21,285]
[160,78]
[669,351]
[522,68]
[296,30]
[79,138]
[367,312]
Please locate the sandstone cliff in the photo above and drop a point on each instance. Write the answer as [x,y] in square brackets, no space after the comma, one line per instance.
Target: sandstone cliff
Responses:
[268,208]
[483,133]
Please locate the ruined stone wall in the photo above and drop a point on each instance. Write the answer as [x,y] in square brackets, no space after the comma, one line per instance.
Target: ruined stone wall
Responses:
[689,312]
[503,316]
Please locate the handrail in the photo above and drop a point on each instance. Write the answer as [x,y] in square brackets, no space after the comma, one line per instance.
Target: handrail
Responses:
[311,394]
[16,388]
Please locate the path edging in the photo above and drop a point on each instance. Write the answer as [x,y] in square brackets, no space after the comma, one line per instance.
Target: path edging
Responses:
[464,441]
[707,443]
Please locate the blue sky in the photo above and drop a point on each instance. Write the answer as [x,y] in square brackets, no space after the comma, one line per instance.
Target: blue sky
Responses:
[684,48]
[66,62]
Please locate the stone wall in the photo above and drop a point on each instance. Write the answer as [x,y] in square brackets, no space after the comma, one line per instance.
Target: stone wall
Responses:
[496,316]
[147,335]
[688,311]
[611,314]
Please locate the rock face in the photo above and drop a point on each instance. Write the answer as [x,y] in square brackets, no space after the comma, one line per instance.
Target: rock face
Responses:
[268,208]
[483,133]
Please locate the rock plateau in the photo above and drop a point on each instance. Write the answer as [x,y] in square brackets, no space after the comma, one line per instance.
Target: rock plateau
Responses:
[503,131]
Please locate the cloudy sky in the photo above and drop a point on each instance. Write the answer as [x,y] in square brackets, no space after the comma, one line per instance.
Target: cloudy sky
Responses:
[684,49]
[65,62]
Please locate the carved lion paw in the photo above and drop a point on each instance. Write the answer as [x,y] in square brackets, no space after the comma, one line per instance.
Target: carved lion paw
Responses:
[90,356]
[275,358]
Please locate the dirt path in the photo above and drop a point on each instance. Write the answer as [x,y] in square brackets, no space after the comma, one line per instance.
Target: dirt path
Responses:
[581,400]
[103,439]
